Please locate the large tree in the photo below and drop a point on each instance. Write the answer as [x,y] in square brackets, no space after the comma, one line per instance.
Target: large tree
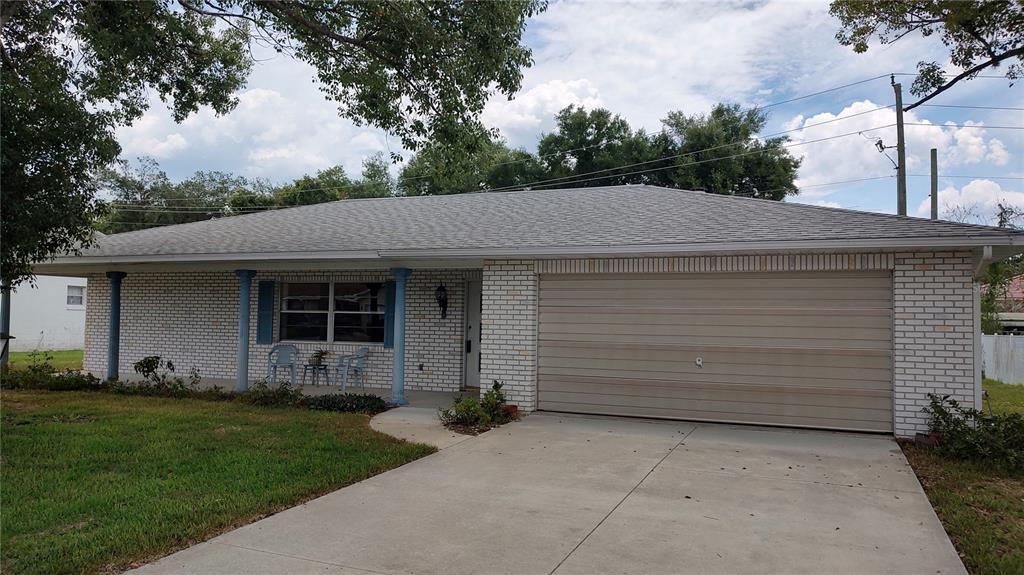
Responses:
[720,152]
[486,165]
[980,34]
[143,196]
[75,70]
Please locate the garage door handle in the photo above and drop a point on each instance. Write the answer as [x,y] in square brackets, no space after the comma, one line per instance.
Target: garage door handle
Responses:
[700,362]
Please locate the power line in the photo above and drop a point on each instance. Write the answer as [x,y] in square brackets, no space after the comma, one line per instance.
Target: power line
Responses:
[675,156]
[969,177]
[979,126]
[837,88]
[1007,108]
[742,154]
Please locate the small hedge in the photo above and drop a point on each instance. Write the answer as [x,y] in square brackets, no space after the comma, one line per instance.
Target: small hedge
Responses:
[348,403]
[995,439]
[159,380]
[471,415]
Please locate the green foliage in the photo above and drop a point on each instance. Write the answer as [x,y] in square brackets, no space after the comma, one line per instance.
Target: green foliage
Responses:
[144,196]
[279,394]
[598,148]
[736,162]
[376,182]
[970,434]
[74,72]
[978,33]
[481,165]
[476,415]
[465,413]
[40,374]
[347,403]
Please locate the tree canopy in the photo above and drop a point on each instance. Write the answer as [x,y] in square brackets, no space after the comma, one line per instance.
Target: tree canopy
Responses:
[717,152]
[74,71]
[980,34]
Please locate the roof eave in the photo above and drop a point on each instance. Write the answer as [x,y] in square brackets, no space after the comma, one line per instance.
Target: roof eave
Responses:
[59,265]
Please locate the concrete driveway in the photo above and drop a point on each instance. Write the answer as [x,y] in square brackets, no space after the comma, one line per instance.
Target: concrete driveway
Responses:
[576,495]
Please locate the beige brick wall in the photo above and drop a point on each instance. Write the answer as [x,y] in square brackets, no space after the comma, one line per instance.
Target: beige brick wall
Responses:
[508,330]
[191,319]
[933,334]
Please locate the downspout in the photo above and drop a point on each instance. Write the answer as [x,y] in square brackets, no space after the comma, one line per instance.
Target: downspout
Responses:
[979,272]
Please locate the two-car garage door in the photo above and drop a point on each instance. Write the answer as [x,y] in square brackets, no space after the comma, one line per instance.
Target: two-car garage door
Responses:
[810,349]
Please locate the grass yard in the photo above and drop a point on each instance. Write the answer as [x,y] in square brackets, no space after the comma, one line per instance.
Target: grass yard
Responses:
[982,510]
[93,482]
[66,359]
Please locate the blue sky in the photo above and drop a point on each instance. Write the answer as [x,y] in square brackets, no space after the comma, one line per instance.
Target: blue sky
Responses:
[642,60]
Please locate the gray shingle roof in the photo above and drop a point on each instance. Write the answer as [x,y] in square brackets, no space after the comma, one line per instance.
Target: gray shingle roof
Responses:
[606,217]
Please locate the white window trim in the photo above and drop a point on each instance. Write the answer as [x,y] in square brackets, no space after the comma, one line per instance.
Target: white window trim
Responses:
[330,316]
[67,294]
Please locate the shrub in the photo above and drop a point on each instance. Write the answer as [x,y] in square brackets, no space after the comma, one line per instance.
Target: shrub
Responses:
[280,394]
[159,380]
[996,439]
[465,413]
[347,403]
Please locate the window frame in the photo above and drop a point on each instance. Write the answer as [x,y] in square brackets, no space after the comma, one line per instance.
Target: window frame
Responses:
[68,296]
[331,311]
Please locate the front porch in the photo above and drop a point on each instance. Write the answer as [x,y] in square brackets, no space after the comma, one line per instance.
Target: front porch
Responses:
[421,327]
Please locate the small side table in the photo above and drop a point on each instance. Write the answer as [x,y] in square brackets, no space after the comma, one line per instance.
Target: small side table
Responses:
[316,369]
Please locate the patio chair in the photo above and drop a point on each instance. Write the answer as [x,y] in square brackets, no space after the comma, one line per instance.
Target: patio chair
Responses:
[354,364]
[282,355]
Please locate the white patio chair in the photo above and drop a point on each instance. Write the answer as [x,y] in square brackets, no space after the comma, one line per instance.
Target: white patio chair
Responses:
[282,355]
[354,364]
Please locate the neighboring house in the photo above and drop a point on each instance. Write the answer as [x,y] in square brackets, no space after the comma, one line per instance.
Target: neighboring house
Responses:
[49,315]
[627,300]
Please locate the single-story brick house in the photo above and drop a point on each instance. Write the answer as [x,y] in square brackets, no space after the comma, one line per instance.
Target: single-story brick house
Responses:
[626,300]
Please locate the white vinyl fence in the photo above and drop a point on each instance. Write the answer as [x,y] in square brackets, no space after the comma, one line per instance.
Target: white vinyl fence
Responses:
[1002,357]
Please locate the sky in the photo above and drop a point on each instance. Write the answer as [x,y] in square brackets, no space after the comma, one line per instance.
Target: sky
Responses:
[642,60]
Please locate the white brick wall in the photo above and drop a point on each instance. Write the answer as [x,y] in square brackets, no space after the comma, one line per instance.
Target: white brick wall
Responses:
[191,319]
[508,330]
[933,334]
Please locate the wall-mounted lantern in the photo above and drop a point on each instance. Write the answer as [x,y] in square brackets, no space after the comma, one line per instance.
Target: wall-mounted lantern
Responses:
[441,296]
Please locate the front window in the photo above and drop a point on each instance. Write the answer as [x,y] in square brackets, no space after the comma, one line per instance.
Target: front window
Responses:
[76,295]
[333,312]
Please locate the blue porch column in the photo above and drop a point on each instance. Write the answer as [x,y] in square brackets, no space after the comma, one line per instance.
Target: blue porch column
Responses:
[398,365]
[5,326]
[244,306]
[114,329]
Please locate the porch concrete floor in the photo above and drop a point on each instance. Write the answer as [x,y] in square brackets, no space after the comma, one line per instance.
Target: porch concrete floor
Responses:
[564,495]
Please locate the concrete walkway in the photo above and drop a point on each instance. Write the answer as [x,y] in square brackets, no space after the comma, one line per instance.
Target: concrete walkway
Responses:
[575,495]
[419,424]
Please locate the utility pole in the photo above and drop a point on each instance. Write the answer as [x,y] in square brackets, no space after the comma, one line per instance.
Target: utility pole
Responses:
[935,184]
[901,152]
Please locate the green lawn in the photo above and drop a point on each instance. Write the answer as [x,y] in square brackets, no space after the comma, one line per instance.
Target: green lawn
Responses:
[95,481]
[1003,397]
[982,510]
[61,360]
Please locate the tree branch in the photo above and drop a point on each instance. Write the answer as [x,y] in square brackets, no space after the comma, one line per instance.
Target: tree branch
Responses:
[1016,52]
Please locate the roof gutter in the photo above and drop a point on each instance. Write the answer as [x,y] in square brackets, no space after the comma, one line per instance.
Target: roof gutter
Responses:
[885,244]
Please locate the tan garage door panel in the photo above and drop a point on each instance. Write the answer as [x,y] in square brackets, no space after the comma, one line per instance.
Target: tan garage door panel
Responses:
[803,349]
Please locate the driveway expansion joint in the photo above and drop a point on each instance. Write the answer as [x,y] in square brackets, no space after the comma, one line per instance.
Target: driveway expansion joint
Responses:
[296,557]
[623,500]
[796,480]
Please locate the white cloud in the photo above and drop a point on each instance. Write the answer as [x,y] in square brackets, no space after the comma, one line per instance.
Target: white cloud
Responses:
[976,202]
[852,153]
[533,110]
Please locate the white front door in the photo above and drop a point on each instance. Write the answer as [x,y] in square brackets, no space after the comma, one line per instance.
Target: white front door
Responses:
[471,347]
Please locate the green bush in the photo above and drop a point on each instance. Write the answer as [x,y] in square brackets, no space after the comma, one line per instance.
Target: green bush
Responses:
[347,403]
[159,380]
[40,374]
[467,413]
[471,414]
[996,439]
[280,394]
